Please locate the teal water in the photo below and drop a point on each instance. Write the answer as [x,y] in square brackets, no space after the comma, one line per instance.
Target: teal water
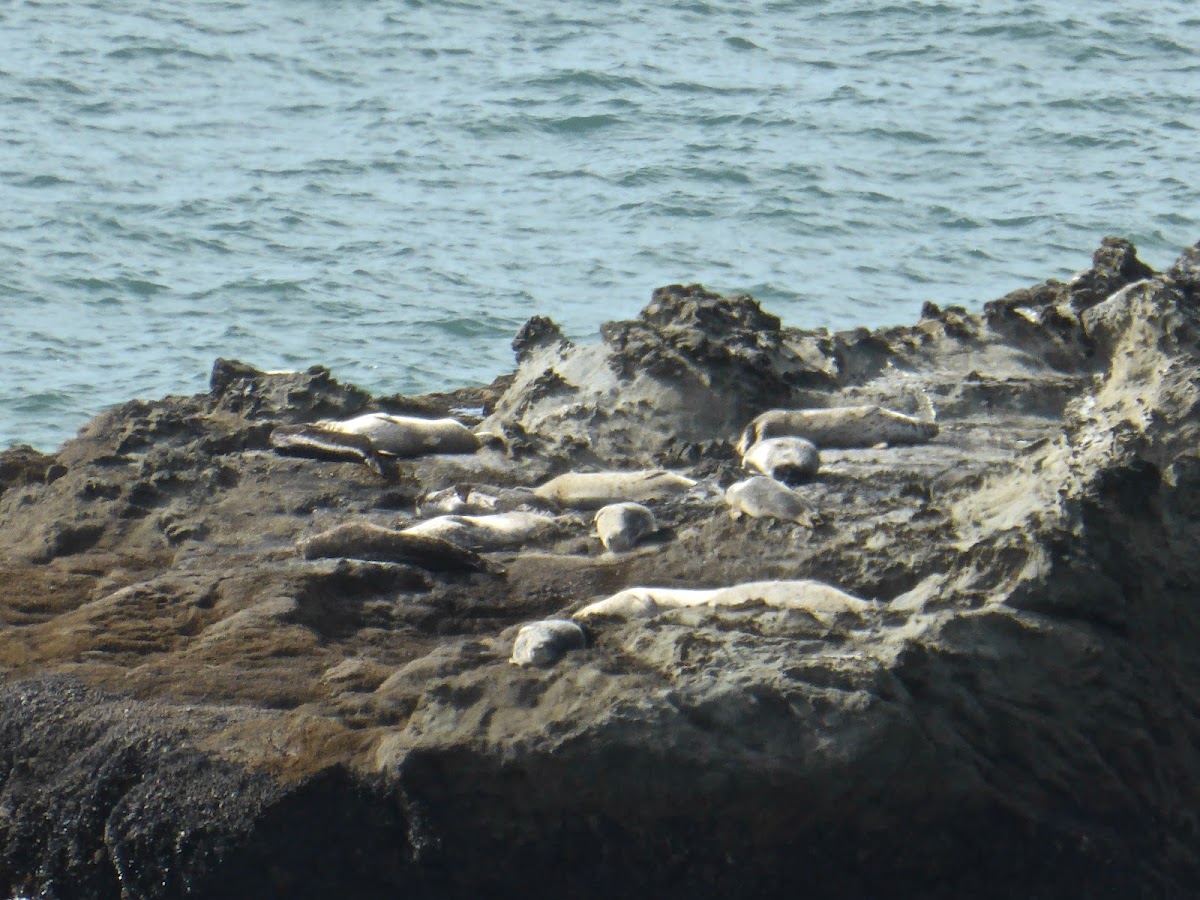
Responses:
[391,188]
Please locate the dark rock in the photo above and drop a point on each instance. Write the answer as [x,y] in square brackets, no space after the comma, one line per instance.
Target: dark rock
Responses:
[539,331]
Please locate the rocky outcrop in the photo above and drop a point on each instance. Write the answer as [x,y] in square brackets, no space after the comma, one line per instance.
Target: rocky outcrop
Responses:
[194,705]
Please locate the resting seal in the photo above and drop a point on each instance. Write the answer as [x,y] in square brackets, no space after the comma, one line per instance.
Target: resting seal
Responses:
[824,602]
[761,497]
[622,525]
[840,426]
[543,643]
[591,490]
[471,499]
[409,435]
[490,532]
[787,459]
[643,602]
[362,540]
[316,442]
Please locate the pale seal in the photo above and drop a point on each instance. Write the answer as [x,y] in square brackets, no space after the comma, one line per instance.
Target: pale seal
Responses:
[621,525]
[591,490]
[789,459]
[409,435]
[840,426]
[543,643]
[761,497]
[498,531]
[362,540]
[644,602]
[822,601]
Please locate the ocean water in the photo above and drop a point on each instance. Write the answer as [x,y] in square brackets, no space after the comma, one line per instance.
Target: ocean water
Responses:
[391,188]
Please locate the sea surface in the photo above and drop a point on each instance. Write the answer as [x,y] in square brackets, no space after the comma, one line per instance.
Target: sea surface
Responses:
[391,188]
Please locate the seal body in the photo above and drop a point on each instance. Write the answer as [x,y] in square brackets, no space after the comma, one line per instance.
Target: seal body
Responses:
[409,435]
[622,525]
[789,459]
[362,540]
[472,499]
[822,601]
[543,643]
[761,497]
[316,442]
[839,426]
[644,602]
[592,490]
[497,531]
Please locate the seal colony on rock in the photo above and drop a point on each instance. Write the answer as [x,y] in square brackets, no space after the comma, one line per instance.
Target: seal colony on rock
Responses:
[591,490]
[966,685]
[839,427]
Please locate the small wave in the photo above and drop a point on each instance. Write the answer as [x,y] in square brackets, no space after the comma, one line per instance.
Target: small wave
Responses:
[580,124]
[738,43]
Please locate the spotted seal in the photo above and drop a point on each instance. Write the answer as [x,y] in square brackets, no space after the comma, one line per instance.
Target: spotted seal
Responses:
[789,459]
[316,442]
[408,435]
[761,497]
[643,602]
[497,531]
[362,540]
[543,643]
[621,525]
[839,426]
[592,490]
[824,602]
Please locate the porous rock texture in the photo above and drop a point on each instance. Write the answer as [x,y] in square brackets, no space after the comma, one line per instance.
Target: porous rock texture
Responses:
[190,708]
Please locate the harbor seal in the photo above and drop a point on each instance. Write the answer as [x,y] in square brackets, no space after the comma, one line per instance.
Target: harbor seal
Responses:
[362,540]
[497,531]
[315,442]
[622,525]
[591,490]
[543,643]
[789,459]
[408,435]
[839,426]
[822,601]
[761,497]
[644,602]
[473,499]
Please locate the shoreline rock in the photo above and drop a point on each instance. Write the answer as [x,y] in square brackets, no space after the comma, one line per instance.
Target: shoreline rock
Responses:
[190,708]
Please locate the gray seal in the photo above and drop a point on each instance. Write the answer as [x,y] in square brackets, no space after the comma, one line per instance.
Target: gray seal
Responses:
[543,643]
[789,459]
[840,426]
[621,525]
[761,497]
